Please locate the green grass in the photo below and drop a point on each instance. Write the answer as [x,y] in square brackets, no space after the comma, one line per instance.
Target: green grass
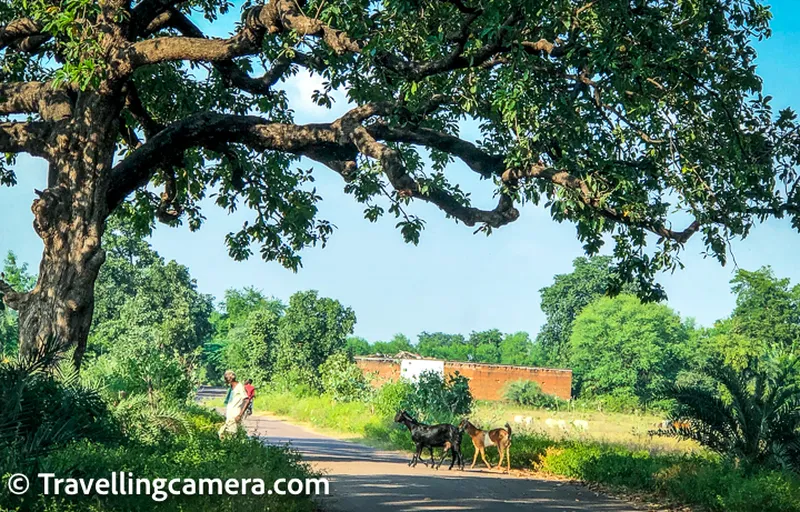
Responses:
[693,478]
[198,454]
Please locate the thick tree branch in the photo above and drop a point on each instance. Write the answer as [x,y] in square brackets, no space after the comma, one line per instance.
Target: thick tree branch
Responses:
[134,105]
[276,16]
[11,297]
[28,137]
[228,68]
[318,142]
[35,98]
[487,165]
[24,34]
[145,14]
[579,187]
[406,185]
[337,144]
[479,161]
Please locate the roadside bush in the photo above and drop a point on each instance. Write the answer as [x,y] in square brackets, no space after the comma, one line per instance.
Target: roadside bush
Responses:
[151,419]
[136,366]
[722,487]
[299,381]
[40,412]
[343,380]
[390,397]
[436,400]
[610,464]
[200,455]
[529,393]
[753,415]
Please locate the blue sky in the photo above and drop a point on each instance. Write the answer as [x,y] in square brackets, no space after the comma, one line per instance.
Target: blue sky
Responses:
[453,281]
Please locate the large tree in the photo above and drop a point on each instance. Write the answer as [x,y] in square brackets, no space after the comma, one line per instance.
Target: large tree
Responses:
[613,114]
[622,347]
[563,301]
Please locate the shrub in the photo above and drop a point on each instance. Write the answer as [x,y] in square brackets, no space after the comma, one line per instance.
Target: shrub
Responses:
[390,398]
[722,487]
[299,381]
[135,365]
[529,393]
[436,400]
[753,415]
[343,380]
[610,464]
[201,455]
[151,419]
[41,411]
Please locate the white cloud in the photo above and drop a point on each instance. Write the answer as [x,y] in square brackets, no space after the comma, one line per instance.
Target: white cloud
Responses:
[300,90]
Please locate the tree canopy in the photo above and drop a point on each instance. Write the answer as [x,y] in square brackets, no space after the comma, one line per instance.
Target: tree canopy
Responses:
[563,300]
[622,117]
[622,347]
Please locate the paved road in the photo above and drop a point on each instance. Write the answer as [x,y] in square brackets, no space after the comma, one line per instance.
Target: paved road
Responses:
[363,478]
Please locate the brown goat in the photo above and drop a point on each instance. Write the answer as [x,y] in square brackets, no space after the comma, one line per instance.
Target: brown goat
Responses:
[482,438]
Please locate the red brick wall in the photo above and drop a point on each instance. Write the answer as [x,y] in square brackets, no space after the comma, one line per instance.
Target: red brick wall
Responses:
[487,381]
[380,371]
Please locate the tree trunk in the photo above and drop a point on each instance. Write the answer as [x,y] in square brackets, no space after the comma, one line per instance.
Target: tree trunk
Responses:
[70,218]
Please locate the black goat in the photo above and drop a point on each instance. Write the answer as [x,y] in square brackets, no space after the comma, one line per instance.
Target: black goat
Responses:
[431,436]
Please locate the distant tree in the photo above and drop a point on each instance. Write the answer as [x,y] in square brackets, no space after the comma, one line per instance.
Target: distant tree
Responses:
[453,347]
[250,349]
[358,346]
[398,343]
[563,301]
[18,276]
[148,310]
[237,306]
[312,329]
[623,347]
[518,349]
[343,380]
[137,364]
[486,353]
[486,346]
[767,308]
[766,318]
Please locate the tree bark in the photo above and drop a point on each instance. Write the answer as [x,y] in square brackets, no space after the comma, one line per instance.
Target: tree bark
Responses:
[70,218]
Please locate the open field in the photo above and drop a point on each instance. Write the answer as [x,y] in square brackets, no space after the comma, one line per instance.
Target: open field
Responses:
[630,430]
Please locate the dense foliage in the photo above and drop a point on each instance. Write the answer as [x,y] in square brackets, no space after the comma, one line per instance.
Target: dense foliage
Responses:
[312,329]
[563,301]
[437,399]
[529,393]
[751,414]
[625,348]
[17,275]
[342,380]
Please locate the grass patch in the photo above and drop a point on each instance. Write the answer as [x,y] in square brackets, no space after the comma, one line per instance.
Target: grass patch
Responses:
[198,454]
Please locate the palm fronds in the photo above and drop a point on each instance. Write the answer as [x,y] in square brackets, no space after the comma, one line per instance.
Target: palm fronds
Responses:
[43,406]
[752,415]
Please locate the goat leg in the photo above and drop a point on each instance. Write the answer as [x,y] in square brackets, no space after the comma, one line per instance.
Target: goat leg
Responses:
[416,457]
[483,456]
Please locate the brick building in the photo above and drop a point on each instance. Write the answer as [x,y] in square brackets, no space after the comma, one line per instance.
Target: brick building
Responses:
[486,381]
